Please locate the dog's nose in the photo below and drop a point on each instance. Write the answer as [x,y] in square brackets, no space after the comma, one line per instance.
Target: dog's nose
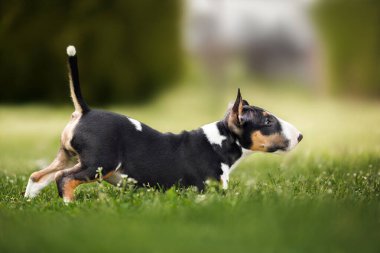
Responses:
[300,137]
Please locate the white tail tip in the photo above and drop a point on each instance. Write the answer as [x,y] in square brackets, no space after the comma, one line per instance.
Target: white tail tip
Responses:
[71,51]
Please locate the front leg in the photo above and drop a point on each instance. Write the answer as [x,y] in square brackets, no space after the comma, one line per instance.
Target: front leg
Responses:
[69,179]
[225,176]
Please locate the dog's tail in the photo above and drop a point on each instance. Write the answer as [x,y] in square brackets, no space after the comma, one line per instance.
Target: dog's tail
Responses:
[76,94]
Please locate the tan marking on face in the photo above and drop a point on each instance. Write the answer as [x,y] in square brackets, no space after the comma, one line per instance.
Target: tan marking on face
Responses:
[266,114]
[264,142]
[68,189]
[68,132]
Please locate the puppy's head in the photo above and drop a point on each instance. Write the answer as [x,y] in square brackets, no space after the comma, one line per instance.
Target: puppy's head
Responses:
[258,130]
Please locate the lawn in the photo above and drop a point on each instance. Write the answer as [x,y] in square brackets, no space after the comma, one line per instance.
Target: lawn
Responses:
[322,197]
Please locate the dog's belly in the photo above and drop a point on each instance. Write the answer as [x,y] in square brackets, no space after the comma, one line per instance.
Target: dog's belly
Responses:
[107,140]
[157,179]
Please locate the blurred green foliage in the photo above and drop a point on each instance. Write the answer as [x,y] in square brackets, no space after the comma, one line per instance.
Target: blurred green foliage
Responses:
[352,37]
[128,50]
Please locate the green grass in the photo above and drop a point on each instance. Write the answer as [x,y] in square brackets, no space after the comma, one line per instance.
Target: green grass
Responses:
[323,197]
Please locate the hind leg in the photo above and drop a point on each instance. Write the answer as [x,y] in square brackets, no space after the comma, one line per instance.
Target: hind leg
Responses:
[42,178]
[69,179]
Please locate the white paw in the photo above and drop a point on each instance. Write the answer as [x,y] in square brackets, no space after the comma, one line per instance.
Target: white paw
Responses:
[34,188]
[67,200]
[31,190]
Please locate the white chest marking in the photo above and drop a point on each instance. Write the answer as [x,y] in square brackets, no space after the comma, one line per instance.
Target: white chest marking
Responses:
[227,170]
[212,133]
[225,176]
[136,123]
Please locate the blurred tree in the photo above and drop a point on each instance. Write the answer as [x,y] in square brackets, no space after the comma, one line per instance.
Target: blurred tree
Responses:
[352,37]
[128,50]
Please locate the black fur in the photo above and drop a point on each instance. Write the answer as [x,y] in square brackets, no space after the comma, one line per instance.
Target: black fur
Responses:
[74,73]
[255,119]
[112,142]
[105,139]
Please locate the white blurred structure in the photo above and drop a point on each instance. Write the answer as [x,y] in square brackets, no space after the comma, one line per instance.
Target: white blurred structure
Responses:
[273,38]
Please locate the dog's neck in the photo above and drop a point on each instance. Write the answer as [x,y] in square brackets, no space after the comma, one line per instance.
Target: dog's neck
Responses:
[224,143]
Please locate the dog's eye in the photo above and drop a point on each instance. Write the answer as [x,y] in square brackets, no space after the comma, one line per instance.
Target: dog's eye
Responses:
[267,121]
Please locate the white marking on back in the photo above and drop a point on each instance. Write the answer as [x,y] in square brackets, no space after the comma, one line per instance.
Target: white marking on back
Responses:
[212,133]
[225,176]
[136,123]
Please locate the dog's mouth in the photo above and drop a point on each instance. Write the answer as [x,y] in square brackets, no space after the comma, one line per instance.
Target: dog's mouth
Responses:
[279,149]
[291,134]
[285,145]
[290,144]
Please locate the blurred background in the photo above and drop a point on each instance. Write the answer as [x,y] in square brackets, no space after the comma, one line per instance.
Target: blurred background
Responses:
[134,51]
[174,65]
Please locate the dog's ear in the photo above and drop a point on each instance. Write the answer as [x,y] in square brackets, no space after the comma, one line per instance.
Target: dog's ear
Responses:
[234,116]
